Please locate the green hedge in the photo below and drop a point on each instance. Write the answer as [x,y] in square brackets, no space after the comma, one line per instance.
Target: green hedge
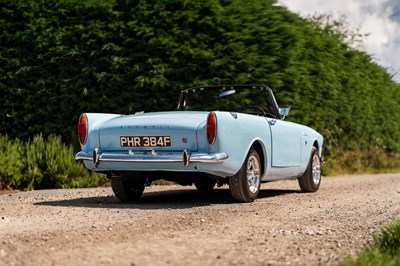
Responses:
[59,58]
[42,163]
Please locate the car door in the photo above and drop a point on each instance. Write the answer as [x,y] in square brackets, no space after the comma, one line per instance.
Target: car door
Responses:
[286,148]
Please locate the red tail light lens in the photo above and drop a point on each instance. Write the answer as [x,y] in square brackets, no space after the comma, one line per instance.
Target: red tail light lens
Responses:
[82,128]
[211,127]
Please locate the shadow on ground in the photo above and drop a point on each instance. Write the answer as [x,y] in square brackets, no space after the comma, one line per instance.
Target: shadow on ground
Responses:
[174,199]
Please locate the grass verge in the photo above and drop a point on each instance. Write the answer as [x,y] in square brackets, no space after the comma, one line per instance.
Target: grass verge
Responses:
[384,249]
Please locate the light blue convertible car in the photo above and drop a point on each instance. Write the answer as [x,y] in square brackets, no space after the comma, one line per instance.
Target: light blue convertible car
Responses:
[228,134]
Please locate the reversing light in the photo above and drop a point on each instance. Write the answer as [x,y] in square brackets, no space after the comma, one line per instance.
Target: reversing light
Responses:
[82,129]
[211,127]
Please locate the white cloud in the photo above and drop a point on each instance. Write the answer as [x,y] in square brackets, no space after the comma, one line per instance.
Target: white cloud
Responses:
[374,17]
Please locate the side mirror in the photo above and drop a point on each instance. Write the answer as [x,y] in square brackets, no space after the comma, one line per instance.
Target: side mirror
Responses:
[284,111]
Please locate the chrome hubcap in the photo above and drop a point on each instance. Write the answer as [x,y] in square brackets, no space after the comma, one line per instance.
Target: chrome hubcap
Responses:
[253,174]
[316,169]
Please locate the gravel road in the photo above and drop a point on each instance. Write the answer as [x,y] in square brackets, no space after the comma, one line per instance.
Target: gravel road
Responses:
[174,225]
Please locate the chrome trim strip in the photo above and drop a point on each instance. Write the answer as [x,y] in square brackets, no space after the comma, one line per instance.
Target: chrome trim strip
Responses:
[153,157]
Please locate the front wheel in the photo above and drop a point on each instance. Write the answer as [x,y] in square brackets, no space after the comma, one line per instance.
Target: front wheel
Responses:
[245,184]
[311,179]
[127,190]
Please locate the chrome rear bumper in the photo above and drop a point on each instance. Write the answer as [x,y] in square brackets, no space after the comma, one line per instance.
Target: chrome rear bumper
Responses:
[151,157]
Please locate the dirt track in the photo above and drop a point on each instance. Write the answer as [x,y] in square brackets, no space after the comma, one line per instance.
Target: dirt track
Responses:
[175,225]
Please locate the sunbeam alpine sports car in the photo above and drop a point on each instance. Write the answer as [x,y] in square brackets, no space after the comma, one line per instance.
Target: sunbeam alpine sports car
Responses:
[227,134]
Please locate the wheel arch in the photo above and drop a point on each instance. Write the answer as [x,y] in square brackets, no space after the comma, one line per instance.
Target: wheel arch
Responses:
[318,147]
[259,147]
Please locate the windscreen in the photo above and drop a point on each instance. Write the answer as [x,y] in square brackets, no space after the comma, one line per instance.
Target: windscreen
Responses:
[234,99]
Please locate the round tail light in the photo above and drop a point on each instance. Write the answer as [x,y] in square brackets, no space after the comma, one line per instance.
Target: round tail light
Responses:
[211,127]
[82,129]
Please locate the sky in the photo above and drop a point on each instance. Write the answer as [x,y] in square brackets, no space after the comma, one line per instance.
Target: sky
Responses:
[380,19]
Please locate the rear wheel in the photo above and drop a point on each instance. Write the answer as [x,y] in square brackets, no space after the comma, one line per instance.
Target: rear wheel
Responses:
[311,179]
[127,190]
[245,184]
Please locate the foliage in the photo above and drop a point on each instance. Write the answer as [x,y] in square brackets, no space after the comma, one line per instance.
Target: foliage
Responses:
[42,163]
[361,160]
[384,250]
[11,164]
[59,58]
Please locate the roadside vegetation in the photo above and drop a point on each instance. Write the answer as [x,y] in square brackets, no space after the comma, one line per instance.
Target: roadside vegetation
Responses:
[384,249]
[60,58]
[371,160]
[42,163]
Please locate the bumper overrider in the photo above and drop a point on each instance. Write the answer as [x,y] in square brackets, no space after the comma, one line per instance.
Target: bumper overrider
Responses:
[186,157]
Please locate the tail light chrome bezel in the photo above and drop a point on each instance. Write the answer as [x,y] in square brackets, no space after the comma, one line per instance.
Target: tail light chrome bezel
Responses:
[83,129]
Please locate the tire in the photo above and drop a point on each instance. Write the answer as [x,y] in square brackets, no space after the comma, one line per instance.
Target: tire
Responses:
[127,190]
[245,184]
[205,184]
[311,179]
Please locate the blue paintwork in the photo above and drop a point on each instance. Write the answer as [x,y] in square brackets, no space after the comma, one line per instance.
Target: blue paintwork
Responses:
[286,146]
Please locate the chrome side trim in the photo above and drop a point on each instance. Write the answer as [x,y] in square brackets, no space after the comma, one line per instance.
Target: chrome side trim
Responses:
[152,157]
